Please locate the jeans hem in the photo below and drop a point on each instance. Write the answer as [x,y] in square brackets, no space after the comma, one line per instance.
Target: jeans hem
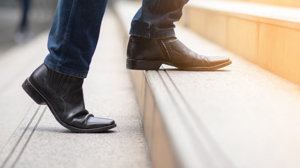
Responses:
[155,35]
[65,71]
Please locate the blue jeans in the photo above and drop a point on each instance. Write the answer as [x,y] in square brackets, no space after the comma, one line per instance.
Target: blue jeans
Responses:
[75,30]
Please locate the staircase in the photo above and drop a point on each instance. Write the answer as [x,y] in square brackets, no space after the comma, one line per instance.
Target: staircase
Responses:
[32,138]
[245,115]
[265,35]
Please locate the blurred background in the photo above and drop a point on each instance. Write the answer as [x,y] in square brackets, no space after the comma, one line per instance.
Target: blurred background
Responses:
[15,28]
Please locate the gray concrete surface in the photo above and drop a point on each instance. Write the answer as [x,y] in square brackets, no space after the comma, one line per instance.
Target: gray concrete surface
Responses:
[39,141]
[39,20]
[16,64]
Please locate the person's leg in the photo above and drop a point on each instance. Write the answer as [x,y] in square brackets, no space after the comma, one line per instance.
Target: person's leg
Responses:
[23,25]
[74,35]
[58,82]
[155,19]
[153,42]
[22,34]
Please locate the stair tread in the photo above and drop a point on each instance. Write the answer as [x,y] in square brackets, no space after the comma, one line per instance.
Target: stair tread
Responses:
[253,11]
[40,141]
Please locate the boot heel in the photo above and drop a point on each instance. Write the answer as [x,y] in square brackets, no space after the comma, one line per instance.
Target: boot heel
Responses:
[33,93]
[143,65]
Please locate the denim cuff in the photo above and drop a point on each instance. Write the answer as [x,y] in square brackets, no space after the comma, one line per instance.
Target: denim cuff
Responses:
[65,71]
[155,35]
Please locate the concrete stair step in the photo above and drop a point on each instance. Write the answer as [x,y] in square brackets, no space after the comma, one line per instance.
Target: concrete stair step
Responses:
[265,35]
[15,65]
[289,3]
[239,116]
[32,138]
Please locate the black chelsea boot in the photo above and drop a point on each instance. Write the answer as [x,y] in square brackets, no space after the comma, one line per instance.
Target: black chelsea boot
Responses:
[149,54]
[64,96]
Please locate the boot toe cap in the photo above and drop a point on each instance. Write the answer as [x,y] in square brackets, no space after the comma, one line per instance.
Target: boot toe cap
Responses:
[216,60]
[94,122]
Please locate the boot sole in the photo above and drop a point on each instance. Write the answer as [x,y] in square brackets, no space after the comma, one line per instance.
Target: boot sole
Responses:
[41,100]
[154,65]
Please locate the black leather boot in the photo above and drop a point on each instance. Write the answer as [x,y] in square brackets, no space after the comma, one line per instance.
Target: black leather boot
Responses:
[149,54]
[64,97]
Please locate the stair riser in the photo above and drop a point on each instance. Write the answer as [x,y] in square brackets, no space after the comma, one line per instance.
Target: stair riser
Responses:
[290,3]
[272,47]
[156,136]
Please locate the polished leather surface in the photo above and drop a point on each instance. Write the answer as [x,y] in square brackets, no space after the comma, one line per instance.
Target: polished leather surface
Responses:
[215,60]
[170,51]
[64,96]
